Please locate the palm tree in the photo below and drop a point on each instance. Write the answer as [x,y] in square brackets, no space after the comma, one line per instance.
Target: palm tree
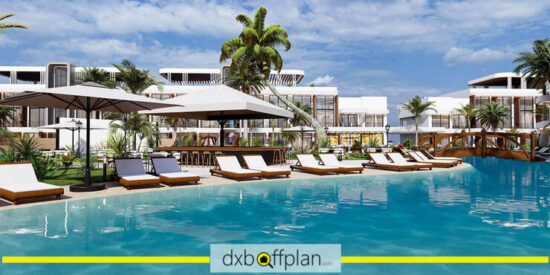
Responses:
[4,26]
[416,108]
[298,118]
[97,75]
[135,80]
[492,114]
[136,125]
[469,112]
[249,83]
[256,48]
[536,65]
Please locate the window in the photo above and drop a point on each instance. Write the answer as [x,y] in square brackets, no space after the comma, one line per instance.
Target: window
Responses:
[209,124]
[302,98]
[348,120]
[325,110]
[459,122]
[256,123]
[506,101]
[482,100]
[349,139]
[375,121]
[440,121]
[37,116]
[526,112]
[379,121]
[281,122]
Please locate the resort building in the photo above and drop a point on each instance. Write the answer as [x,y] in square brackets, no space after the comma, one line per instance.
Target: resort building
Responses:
[509,89]
[346,119]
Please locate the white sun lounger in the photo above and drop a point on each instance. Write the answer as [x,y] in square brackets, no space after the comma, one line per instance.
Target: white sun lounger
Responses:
[131,173]
[257,162]
[229,166]
[169,172]
[419,157]
[18,181]
[378,160]
[398,159]
[307,162]
[329,159]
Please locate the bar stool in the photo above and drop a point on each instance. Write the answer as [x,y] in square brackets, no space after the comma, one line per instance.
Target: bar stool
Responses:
[184,159]
[206,158]
[195,158]
[280,154]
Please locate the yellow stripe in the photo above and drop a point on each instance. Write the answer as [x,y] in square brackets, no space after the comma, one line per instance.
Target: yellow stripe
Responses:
[445,259]
[206,260]
[106,260]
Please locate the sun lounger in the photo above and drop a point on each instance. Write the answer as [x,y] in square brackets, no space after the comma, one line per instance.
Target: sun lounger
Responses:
[329,159]
[378,160]
[131,173]
[230,167]
[257,162]
[430,156]
[168,170]
[419,157]
[307,162]
[399,159]
[18,181]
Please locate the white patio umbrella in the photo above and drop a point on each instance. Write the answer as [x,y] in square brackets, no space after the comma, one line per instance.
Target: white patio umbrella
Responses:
[73,125]
[89,97]
[219,103]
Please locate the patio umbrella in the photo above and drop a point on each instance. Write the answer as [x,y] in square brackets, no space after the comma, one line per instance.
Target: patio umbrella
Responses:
[220,103]
[72,125]
[89,97]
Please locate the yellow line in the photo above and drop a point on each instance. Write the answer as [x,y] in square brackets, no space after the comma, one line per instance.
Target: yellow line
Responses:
[445,259]
[206,260]
[105,260]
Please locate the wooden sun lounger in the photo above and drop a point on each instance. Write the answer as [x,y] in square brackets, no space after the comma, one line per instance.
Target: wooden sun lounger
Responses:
[18,181]
[398,159]
[228,168]
[438,163]
[386,164]
[334,162]
[317,169]
[263,168]
[133,174]
[430,156]
[167,169]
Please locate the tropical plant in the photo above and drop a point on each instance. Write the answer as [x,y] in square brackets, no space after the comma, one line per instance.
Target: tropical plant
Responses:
[6,115]
[8,155]
[243,142]
[249,81]
[535,65]
[116,143]
[255,51]
[416,107]
[492,114]
[257,142]
[28,147]
[357,144]
[44,166]
[134,80]
[136,125]
[373,142]
[6,25]
[67,159]
[289,136]
[298,118]
[469,112]
[324,143]
[96,75]
[407,144]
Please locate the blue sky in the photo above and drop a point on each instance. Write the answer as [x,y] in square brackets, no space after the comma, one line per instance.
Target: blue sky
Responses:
[390,48]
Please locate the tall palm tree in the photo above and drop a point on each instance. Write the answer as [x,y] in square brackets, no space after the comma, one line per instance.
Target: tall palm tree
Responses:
[6,25]
[492,114]
[469,112]
[536,65]
[256,47]
[249,82]
[298,118]
[97,75]
[133,79]
[135,125]
[6,117]
[416,107]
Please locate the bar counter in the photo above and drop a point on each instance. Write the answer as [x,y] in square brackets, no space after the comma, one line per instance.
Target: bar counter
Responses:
[268,153]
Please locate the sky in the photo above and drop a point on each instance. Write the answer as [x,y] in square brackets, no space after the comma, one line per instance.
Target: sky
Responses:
[397,49]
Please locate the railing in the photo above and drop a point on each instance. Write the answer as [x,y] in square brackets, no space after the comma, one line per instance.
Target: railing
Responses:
[480,144]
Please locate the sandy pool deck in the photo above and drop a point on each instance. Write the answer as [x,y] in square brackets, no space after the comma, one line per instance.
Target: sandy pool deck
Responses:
[114,188]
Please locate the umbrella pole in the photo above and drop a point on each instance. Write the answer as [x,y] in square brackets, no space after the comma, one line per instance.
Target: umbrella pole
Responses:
[222,139]
[73,141]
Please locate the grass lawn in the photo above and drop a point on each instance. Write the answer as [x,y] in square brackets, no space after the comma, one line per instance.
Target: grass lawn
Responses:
[74,176]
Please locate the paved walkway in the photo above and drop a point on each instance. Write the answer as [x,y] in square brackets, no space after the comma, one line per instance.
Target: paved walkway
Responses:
[113,188]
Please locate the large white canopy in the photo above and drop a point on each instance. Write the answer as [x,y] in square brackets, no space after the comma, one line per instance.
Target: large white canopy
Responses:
[74,97]
[219,103]
[72,125]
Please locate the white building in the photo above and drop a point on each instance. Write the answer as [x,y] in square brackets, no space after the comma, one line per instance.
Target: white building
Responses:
[509,89]
[346,119]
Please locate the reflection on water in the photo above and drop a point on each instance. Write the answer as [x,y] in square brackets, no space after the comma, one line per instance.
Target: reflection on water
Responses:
[497,205]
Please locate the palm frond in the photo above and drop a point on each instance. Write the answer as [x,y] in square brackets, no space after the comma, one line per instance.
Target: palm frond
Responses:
[245,20]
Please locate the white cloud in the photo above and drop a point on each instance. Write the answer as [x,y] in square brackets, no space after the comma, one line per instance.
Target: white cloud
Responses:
[465,55]
[322,80]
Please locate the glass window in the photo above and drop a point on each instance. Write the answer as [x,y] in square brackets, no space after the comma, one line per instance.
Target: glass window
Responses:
[256,123]
[38,116]
[302,98]
[440,121]
[526,112]
[348,120]
[506,101]
[459,122]
[281,122]
[379,121]
[325,110]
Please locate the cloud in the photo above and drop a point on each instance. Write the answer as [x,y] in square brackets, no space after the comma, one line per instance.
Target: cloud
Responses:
[322,80]
[456,56]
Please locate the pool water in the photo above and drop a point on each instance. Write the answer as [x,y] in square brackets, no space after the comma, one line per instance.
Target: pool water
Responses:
[498,208]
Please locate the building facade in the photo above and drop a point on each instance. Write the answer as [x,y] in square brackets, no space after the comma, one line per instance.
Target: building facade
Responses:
[509,89]
[346,119]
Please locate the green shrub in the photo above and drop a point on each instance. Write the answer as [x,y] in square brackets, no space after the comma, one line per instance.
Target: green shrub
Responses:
[407,144]
[324,143]
[257,142]
[373,142]
[243,142]
[43,166]
[116,143]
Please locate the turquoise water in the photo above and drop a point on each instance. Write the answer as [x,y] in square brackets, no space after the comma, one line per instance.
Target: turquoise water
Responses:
[498,208]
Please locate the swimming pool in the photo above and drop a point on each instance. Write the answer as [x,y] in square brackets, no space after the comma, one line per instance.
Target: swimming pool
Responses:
[498,208]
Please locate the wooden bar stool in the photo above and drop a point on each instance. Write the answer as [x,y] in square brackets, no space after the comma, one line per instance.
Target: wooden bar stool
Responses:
[184,159]
[206,158]
[195,158]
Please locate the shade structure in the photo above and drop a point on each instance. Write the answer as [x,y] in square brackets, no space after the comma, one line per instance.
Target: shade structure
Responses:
[219,103]
[72,125]
[89,97]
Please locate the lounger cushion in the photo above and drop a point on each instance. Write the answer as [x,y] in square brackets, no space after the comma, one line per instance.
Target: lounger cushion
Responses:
[17,173]
[129,167]
[165,165]
[258,163]
[139,180]
[178,177]
[330,160]
[29,187]
[398,158]
[308,160]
